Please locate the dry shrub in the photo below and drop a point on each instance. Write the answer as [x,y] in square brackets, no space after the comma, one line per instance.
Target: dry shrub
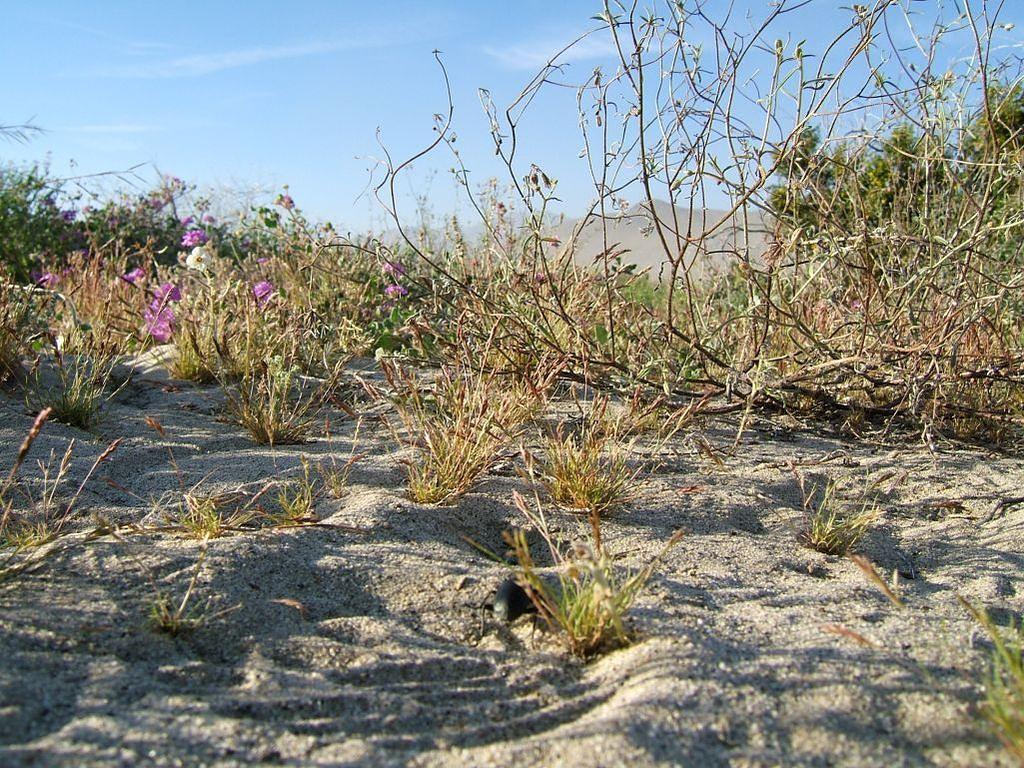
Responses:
[870,260]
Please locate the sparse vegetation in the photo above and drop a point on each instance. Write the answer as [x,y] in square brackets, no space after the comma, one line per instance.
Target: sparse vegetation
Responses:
[35,511]
[175,617]
[456,428]
[589,602]
[1004,685]
[830,528]
[866,278]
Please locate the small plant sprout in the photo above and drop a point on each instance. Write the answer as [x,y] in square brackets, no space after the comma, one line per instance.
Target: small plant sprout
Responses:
[589,598]
[335,477]
[176,618]
[296,500]
[829,529]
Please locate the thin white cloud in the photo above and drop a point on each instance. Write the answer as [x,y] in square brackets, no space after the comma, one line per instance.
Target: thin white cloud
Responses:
[199,64]
[110,129]
[534,54]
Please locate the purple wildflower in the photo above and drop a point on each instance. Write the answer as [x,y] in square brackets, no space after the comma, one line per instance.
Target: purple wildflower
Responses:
[68,215]
[286,202]
[193,238]
[159,321]
[132,276]
[393,268]
[187,220]
[158,316]
[45,279]
[263,291]
[396,291]
[208,219]
[167,292]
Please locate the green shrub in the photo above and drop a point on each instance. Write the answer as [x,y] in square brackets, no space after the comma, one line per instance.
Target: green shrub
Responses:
[34,228]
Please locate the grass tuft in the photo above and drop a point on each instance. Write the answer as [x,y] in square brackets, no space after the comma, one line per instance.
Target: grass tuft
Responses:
[589,602]
[75,387]
[1004,685]
[270,405]
[296,500]
[457,427]
[829,529]
[211,516]
[588,470]
[178,618]
[832,533]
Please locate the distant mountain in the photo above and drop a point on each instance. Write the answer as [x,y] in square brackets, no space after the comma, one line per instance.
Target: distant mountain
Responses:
[634,235]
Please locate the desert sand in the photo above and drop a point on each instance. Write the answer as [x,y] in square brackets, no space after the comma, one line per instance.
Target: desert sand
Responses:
[718,239]
[366,639]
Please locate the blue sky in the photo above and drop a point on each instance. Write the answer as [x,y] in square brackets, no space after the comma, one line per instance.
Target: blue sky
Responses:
[260,93]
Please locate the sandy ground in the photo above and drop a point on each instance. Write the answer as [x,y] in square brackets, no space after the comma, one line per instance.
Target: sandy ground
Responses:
[382,654]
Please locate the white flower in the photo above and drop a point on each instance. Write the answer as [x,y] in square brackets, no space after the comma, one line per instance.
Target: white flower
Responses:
[198,258]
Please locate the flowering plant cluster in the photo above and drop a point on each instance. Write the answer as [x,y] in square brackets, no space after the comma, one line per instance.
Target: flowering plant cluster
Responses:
[39,221]
[193,238]
[159,316]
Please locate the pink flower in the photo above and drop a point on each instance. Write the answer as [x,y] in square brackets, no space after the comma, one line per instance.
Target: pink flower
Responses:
[158,316]
[159,322]
[263,291]
[193,238]
[166,293]
[393,268]
[132,276]
[396,291]
[45,279]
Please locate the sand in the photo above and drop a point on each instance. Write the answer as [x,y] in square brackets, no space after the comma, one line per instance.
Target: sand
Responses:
[365,640]
[718,240]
